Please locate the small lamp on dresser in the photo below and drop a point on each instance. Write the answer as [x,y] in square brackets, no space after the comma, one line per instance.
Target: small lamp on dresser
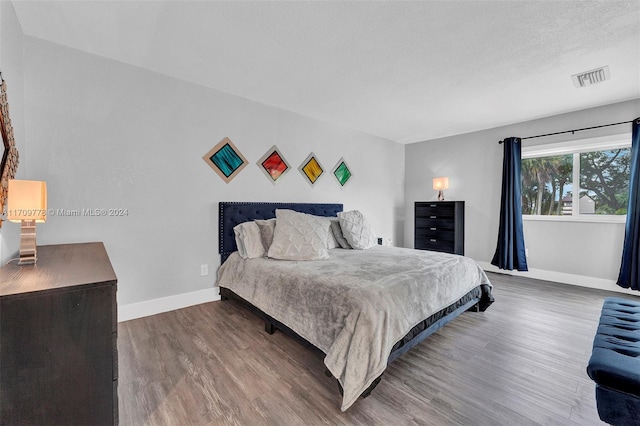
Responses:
[27,205]
[440,184]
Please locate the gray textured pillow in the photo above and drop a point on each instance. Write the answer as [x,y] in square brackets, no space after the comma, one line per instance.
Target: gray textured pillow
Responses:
[357,230]
[299,236]
[337,234]
[266,226]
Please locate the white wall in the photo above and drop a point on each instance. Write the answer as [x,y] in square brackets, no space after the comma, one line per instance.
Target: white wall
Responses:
[11,65]
[577,253]
[108,135]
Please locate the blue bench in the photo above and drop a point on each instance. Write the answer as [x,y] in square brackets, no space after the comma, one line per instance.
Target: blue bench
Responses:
[615,362]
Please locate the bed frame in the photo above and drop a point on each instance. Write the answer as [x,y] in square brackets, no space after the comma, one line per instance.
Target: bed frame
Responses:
[234,213]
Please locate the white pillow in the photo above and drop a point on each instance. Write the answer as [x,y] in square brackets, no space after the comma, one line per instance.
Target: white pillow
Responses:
[268,226]
[299,236]
[357,230]
[238,232]
[331,239]
[248,240]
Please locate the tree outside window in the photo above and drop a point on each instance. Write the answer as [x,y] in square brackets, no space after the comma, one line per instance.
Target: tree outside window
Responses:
[604,177]
[601,183]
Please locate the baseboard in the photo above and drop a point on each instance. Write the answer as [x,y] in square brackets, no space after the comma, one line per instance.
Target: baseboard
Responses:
[166,304]
[561,277]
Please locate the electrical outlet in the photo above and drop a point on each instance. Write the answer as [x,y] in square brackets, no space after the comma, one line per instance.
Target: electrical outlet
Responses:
[526,252]
[204,270]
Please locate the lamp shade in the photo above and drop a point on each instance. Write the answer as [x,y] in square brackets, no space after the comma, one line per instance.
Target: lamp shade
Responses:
[27,200]
[440,183]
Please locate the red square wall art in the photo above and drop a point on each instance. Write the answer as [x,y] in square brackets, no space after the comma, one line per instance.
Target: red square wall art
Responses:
[273,164]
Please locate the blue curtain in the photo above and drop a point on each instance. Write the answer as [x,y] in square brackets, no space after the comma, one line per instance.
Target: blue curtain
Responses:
[629,276]
[510,250]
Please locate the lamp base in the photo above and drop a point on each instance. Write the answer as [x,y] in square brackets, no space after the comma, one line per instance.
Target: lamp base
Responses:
[440,195]
[27,242]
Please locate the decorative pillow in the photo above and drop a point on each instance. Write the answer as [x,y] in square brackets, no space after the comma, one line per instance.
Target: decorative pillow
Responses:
[248,240]
[266,226]
[331,240]
[336,231]
[239,235]
[299,236]
[357,230]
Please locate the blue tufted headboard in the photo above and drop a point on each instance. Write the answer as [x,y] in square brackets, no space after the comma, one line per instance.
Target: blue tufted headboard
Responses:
[232,213]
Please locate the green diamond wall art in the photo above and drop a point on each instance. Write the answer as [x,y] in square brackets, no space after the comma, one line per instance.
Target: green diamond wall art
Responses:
[342,172]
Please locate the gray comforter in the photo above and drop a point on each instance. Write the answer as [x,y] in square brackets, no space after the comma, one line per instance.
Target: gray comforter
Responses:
[357,304]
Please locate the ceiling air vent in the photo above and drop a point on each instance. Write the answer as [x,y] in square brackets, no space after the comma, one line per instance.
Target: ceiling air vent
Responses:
[588,78]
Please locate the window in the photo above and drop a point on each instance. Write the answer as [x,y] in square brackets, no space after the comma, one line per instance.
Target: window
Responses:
[578,179]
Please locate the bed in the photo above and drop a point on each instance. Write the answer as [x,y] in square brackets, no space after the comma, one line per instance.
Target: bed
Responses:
[361,308]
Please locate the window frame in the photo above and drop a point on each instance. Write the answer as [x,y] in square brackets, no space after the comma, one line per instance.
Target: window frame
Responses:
[578,146]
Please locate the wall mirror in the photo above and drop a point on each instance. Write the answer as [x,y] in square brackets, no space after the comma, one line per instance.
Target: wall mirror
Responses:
[9,163]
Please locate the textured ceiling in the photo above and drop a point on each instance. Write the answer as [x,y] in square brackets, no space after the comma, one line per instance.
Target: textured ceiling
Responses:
[405,71]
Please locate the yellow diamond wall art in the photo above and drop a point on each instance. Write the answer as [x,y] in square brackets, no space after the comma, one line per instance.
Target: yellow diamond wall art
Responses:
[311,169]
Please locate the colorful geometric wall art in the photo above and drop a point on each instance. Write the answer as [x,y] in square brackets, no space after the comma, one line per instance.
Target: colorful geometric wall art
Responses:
[311,169]
[225,159]
[342,172]
[273,164]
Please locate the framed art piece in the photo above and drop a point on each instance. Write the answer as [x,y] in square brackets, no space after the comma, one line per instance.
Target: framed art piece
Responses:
[9,163]
[273,164]
[311,169]
[225,159]
[342,172]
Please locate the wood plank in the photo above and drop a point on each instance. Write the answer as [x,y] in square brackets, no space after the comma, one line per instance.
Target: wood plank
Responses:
[520,362]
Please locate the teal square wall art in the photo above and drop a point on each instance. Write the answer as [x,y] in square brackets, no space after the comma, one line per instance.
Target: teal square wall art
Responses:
[342,172]
[225,159]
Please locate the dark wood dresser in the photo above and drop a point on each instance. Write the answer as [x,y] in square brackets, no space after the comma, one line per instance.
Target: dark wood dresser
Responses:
[58,338]
[439,226]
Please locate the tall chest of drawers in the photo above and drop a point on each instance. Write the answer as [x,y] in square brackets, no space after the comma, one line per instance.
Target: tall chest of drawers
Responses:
[58,338]
[439,226]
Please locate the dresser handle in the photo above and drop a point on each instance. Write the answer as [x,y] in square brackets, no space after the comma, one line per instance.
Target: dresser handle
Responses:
[433,229]
[434,205]
[433,217]
[433,240]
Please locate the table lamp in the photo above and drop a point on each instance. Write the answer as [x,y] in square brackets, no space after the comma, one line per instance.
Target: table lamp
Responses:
[27,204]
[439,184]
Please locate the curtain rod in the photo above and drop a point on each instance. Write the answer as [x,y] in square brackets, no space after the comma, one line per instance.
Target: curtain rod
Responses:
[577,130]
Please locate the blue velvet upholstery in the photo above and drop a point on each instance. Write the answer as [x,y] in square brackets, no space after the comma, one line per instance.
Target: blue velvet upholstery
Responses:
[234,213]
[615,362]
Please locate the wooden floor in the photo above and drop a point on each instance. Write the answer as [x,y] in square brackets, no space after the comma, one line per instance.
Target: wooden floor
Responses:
[521,362]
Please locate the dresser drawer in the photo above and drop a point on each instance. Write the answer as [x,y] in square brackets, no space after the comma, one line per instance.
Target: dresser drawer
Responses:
[428,222]
[437,210]
[435,234]
[435,244]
